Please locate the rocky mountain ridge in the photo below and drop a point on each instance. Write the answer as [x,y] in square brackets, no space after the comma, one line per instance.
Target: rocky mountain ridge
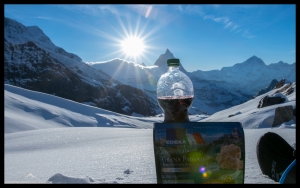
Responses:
[33,62]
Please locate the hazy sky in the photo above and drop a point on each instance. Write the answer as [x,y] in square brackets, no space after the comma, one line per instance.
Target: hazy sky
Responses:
[204,37]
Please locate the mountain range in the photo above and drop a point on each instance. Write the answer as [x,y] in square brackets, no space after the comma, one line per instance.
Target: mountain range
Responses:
[32,61]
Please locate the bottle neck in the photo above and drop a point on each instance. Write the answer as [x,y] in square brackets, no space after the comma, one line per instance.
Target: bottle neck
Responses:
[171,68]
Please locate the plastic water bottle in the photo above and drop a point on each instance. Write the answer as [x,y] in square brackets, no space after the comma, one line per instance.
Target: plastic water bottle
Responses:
[175,93]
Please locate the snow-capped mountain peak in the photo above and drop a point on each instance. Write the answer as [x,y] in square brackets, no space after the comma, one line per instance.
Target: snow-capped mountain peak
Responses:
[32,61]
[17,33]
[162,60]
[44,67]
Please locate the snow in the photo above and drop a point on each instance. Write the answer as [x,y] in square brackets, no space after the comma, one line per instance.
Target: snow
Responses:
[252,117]
[53,140]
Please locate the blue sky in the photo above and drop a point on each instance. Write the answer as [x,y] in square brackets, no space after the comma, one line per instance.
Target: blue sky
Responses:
[204,37]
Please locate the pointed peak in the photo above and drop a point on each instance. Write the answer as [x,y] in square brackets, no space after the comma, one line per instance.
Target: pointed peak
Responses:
[254,60]
[162,60]
[254,57]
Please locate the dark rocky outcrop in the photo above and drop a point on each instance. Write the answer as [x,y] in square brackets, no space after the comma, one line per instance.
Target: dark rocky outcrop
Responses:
[285,88]
[279,84]
[267,89]
[289,91]
[283,114]
[268,101]
[276,85]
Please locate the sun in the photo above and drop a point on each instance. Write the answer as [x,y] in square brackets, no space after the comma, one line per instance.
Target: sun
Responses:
[132,40]
[133,46]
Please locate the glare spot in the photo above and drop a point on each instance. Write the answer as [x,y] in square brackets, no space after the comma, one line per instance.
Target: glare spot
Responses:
[133,46]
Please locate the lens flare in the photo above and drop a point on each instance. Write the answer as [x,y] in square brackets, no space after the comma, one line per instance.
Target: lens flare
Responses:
[202,169]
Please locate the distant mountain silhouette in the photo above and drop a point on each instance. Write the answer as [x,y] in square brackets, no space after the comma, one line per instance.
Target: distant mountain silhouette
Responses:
[251,75]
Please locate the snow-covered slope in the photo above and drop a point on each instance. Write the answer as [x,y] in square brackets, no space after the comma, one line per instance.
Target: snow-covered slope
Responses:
[252,117]
[32,61]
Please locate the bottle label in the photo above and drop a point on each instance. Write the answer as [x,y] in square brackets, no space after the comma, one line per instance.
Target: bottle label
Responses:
[199,153]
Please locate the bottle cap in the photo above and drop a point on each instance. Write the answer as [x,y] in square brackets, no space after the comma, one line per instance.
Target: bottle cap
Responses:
[173,62]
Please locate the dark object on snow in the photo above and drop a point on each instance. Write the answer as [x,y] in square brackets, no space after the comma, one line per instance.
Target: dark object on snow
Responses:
[268,101]
[283,114]
[274,155]
[234,114]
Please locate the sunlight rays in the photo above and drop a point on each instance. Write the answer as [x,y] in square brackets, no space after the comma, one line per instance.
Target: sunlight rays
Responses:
[131,39]
[132,44]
